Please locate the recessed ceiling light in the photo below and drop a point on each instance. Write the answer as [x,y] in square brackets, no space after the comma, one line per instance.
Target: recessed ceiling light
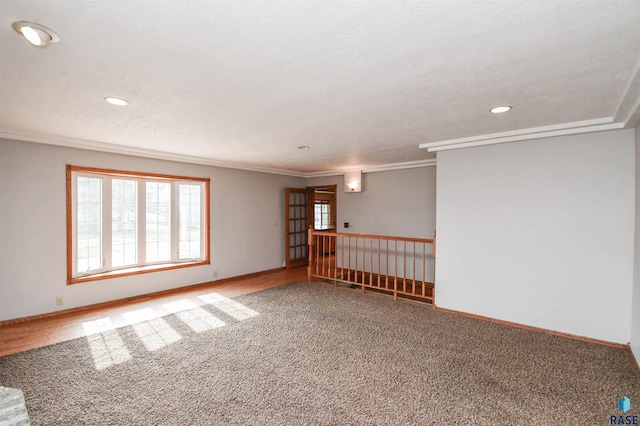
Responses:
[500,109]
[36,34]
[117,101]
[303,147]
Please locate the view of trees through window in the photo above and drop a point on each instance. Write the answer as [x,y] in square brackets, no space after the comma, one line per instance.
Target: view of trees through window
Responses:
[322,215]
[190,220]
[123,220]
[89,223]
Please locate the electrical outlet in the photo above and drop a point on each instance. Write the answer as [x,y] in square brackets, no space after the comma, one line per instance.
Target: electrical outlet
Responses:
[215,273]
[59,300]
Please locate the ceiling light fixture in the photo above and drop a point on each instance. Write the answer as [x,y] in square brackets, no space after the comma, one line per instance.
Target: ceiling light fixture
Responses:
[36,34]
[303,147]
[117,101]
[500,109]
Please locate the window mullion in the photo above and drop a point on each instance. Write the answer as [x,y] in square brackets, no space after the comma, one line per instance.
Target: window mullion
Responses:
[175,222]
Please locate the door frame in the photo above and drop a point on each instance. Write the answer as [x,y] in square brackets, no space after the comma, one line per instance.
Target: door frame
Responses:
[291,222]
[309,209]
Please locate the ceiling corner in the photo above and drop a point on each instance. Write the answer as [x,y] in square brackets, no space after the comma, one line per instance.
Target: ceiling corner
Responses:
[628,109]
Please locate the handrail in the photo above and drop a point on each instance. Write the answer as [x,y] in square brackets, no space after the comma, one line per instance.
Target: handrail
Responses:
[399,266]
[382,237]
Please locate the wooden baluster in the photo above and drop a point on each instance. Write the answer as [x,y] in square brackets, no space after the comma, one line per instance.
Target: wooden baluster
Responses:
[349,261]
[424,268]
[342,249]
[310,254]
[395,272]
[404,281]
[356,270]
[371,262]
[364,264]
[334,246]
[386,284]
[324,250]
[414,291]
[317,245]
[379,269]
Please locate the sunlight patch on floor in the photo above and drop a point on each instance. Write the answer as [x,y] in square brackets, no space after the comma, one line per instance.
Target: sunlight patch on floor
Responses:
[195,317]
[155,333]
[97,326]
[107,347]
[228,306]
[179,305]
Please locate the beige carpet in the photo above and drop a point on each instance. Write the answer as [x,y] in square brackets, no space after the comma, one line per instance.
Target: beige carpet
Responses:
[312,354]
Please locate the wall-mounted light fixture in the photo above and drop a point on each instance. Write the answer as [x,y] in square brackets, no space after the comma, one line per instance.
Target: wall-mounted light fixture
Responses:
[36,34]
[353,181]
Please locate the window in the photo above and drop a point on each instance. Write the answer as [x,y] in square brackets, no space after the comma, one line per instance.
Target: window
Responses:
[123,223]
[321,217]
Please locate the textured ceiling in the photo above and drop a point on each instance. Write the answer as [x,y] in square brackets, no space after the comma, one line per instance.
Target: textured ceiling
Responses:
[363,84]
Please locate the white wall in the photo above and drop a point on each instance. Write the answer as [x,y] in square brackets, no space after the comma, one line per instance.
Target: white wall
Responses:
[635,316]
[399,203]
[244,237]
[540,233]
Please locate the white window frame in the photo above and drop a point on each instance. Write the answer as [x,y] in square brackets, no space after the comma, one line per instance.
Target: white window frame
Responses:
[142,266]
[324,212]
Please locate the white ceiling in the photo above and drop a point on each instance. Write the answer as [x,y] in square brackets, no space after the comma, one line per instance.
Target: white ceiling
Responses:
[363,83]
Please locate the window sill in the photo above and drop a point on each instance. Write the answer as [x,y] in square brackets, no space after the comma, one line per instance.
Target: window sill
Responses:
[134,271]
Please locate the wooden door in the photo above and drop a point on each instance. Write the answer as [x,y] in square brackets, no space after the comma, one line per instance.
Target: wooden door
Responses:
[297,221]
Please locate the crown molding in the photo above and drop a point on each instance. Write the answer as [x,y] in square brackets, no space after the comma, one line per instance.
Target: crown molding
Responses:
[577,127]
[137,152]
[382,168]
[400,166]
[160,155]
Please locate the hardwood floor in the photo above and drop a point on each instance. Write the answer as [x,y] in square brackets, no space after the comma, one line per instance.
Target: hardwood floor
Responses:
[36,333]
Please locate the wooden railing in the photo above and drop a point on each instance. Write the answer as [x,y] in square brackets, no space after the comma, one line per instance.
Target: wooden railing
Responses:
[399,266]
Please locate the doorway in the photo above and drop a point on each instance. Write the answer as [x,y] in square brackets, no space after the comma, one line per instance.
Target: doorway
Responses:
[314,206]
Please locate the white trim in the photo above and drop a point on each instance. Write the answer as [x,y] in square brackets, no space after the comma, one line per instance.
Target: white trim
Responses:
[399,166]
[526,134]
[382,168]
[107,224]
[141,248]
[175,221]
[159,155]
[138,152]
[521,132]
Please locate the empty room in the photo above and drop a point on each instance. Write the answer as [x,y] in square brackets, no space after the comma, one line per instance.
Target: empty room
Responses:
[319,212]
